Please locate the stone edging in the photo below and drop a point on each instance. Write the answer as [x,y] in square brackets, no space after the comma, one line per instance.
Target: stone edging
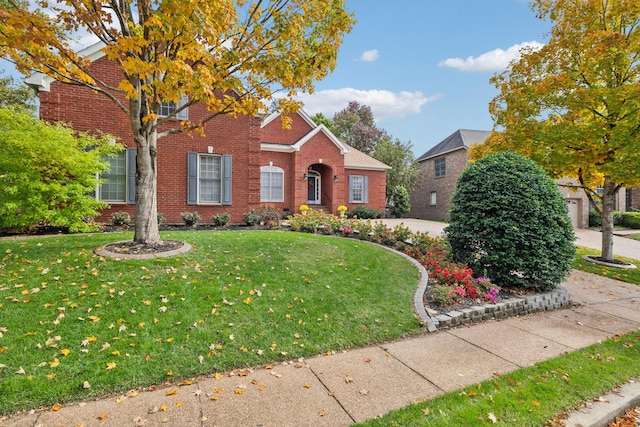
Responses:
[106,253]
[432,319]
[551,300]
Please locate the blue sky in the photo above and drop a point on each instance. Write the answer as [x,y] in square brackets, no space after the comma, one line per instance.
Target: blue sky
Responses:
[423,66]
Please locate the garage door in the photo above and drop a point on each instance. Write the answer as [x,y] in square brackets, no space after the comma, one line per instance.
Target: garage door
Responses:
[574,212]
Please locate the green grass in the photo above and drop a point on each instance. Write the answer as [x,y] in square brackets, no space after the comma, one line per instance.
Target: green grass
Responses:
[68,316]
[529,396]
[624,274]
[635,236]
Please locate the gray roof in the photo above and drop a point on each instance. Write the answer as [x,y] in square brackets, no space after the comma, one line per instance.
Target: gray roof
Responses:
[462,138]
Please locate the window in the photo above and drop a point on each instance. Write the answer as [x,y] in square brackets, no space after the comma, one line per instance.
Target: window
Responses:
[209,179]
[432,200]
[118,183]
[114,180]
[358,189]
[440,167]
[167,108]
[271,184]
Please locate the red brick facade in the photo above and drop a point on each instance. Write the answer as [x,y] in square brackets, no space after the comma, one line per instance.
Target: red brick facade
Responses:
[303,148]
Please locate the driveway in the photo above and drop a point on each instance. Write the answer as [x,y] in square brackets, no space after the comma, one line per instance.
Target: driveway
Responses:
[591,239]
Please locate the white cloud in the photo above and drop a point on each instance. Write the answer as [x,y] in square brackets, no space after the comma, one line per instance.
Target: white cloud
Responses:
[384,104]
[495,60]
[369,55]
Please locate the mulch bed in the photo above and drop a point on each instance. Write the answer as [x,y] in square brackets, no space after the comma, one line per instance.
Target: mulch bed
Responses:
[130,247]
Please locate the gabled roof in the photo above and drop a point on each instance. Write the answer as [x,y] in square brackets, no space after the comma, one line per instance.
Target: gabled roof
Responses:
[353,159]
[356,159]
[271,117]
[460,139]
[42,82]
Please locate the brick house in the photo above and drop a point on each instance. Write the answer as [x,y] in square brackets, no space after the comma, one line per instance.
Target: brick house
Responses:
[441,167]
[240,163]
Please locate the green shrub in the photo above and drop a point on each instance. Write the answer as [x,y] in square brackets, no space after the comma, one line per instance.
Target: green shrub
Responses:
[48,172]
[400,201]
[631,219]
[120,218]
[220,220]
[190,218]
[365,212]
[160,218]
[617,218]
[594,218]
[509,221]
[252,218]
[401,233]
[442,294]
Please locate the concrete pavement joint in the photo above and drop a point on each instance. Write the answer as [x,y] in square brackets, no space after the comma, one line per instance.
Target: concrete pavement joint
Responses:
[411,369]
[333,395]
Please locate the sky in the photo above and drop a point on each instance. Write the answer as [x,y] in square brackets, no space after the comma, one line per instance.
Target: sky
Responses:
[423,66]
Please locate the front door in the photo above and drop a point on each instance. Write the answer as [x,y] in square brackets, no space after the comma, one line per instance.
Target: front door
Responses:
[313,188]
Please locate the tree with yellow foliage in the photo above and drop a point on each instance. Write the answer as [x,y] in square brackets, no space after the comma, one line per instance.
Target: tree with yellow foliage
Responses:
[232,55]
[573,106]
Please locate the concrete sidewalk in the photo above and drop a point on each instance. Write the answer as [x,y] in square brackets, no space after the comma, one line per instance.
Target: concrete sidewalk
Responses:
[351,386]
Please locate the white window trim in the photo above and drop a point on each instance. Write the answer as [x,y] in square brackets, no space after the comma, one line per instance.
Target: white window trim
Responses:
[272,170]
[101,177]
[361,179]
[200,201]
[433,198]
[182,115]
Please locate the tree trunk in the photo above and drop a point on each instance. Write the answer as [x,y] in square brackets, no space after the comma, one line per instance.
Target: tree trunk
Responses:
[608,206]
[146,218]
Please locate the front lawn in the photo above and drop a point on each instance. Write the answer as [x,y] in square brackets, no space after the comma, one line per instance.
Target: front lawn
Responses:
[75,325]
[629,275]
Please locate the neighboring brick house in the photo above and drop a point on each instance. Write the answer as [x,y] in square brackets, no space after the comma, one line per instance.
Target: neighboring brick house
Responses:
[441,167]
[240,163]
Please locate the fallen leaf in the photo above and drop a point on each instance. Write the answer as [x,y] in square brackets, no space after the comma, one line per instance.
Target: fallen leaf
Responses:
[56,407]
[20,371]
[536,403]
[103,416]
[111,365]
[238,391]
[185,382]
[51,376]
[492,417]
[65,351]
[307,385]
[171,392]
[426,411]
[164,408]
[86,384]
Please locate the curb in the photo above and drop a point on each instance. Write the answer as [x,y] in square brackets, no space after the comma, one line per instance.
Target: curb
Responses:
[605,410]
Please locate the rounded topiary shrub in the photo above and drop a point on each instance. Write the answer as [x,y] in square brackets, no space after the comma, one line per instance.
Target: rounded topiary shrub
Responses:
[509,222]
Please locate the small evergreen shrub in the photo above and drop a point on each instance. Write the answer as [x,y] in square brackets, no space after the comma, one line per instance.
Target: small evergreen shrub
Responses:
[190,218]
[594,219]
[365,212]
[509,221]
[120,218]
[220,220]
[617,218]
[401,201]
[160,218]
[631,219]
[251,218]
